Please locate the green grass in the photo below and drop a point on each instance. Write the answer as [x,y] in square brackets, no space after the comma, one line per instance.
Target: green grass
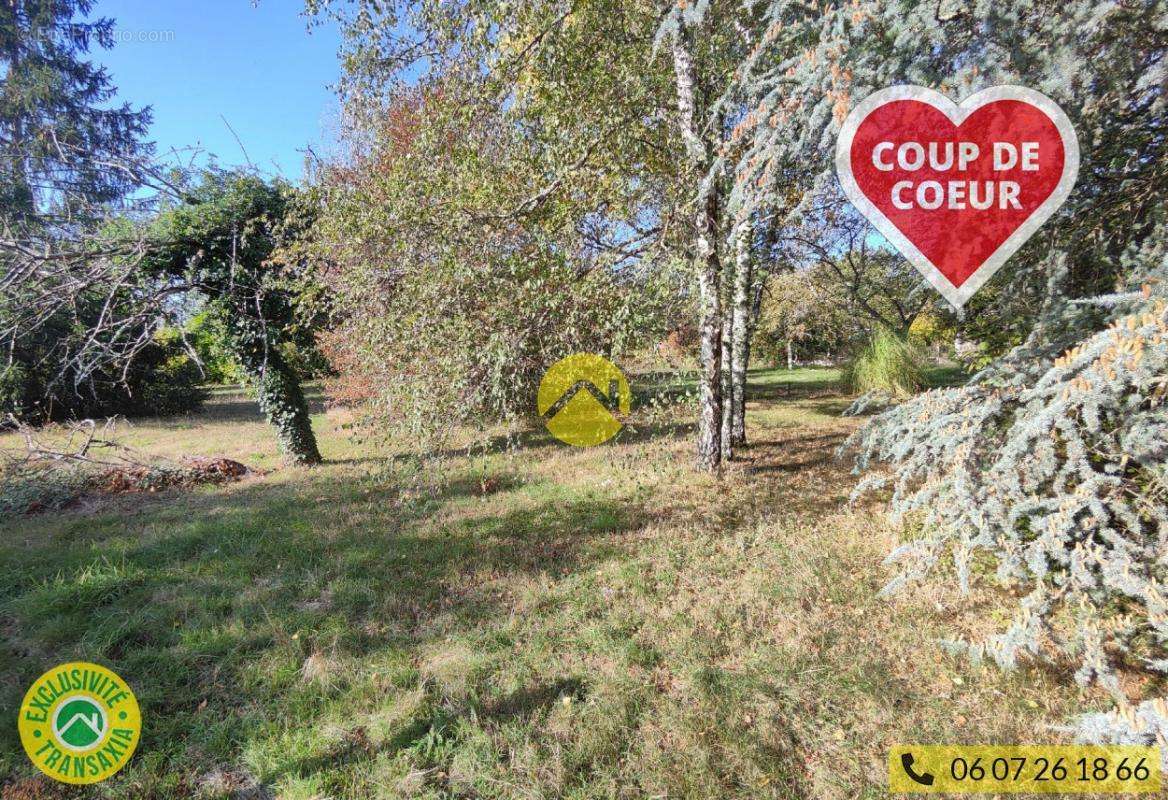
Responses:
[555,623]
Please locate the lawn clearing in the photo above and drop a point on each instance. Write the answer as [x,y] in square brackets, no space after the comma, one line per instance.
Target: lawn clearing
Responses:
[554,623]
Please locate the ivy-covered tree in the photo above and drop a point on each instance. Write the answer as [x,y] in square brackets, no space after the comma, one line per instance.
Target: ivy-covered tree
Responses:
[220,243]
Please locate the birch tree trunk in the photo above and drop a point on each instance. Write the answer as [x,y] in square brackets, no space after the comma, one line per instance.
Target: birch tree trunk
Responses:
[709,444]
[740,327]
[755,309]
[709,456]
[727,359]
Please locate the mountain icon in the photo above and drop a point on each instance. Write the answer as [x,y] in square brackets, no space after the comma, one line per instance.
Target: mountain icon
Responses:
[80,723]
[574,407]
[609,401]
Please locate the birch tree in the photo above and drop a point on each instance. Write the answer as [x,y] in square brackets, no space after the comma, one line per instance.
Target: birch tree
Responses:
[741,327]
[632,113]
[710,113]
[707,264]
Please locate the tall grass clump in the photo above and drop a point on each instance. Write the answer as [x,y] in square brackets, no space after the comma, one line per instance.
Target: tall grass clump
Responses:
[888,364]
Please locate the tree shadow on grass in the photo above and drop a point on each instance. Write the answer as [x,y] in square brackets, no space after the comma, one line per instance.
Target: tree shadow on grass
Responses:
[532,437]
[801,472]
[766,385]
[788,392]
[536,438]
[829,405]
[793,453]
[438,721]
[210,610]
[632,434]
[538,696]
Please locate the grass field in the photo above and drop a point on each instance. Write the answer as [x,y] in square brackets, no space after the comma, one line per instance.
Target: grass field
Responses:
[555,623]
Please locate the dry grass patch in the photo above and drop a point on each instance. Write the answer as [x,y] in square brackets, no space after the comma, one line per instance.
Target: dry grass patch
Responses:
[601,623]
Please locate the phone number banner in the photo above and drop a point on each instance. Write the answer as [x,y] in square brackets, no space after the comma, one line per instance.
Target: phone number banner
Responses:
[1034,768]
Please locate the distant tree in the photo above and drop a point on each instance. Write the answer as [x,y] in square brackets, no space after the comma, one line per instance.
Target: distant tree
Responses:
[804,311]
[861,273]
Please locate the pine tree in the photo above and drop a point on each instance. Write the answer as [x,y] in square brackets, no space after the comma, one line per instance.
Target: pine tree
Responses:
[57,135]
[1051,459]
[66,160]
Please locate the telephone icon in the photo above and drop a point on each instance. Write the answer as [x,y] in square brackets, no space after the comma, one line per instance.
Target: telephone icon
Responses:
[906,761]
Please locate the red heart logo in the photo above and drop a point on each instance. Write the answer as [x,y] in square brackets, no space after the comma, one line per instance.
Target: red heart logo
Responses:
[957,189]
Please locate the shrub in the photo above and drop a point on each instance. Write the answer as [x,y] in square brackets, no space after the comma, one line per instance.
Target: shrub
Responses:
[888,365]
[166,382]
[207,334]
[1052,463]
[39,386]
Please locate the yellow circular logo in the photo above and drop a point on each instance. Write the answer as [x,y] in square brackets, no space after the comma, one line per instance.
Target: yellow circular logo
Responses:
[79,723]
[580,398]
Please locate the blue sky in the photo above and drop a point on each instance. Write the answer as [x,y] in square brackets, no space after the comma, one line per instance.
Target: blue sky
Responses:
[257,66]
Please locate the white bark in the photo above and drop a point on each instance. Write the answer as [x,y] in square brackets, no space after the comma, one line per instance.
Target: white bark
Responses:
[740,336]
[727,358]
[709,455]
